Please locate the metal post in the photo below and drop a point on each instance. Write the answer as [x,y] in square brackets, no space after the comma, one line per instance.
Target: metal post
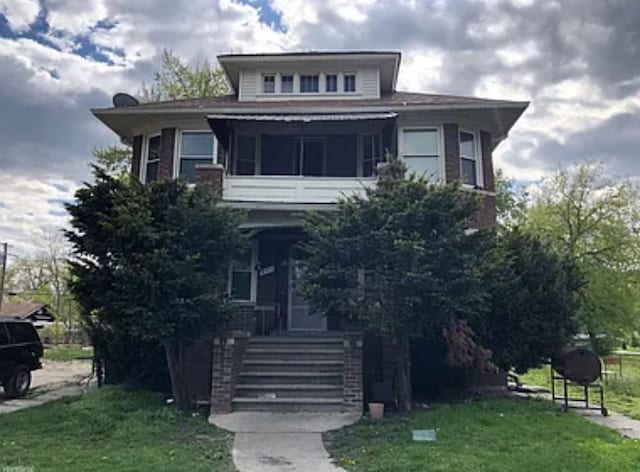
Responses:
[5,251]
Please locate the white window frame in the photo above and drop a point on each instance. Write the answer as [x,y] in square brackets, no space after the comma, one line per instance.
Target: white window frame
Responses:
[440,140]
[477,158]
[344,82]
[145,155]
[254,278]
[263,80]
[337,76]
[293,82]
[178,149]
[309,74]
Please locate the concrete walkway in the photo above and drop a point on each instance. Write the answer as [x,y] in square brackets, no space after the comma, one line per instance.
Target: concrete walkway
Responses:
[624,425]
[282,442]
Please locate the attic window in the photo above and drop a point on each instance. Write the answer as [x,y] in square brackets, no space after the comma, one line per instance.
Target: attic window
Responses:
[309,83]
[331,83]
[286,83]
[350,83]
[269,83]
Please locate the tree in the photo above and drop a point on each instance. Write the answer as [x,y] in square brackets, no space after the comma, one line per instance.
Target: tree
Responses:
[176,80]
[152,262]
[114,160]
[593,222]
[399,262]
[533,301]
[511,202]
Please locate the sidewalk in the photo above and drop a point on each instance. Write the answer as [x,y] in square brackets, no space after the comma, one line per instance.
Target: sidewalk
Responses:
[282,442]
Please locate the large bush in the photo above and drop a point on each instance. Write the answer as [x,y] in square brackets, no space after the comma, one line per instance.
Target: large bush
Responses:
[151,264]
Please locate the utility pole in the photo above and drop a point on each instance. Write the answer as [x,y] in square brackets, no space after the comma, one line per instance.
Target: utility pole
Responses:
[5,252]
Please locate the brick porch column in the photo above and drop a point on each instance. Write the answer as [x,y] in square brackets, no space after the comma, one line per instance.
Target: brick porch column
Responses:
[210,177]
[353,395]
[228,353]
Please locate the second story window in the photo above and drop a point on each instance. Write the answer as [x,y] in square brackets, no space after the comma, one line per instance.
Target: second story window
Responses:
[153,159]
[269,83]
[349,82]
[309,84]
[469,158]
[245,155]
[371,153]
[195,148]
[421,152]
[286,83]
[331,84]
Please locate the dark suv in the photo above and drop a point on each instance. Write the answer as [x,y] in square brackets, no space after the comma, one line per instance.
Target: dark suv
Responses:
[20,353]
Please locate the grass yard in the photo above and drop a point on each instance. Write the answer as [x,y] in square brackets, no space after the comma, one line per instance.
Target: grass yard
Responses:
[68,352]
[112,430]
[484,435]
[621,394]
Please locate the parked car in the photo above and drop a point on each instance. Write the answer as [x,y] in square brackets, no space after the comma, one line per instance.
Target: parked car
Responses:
[20,353]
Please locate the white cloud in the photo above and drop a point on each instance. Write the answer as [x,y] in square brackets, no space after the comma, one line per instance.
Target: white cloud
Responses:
[19,13]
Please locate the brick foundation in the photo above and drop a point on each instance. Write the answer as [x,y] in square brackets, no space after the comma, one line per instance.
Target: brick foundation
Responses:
[353,396]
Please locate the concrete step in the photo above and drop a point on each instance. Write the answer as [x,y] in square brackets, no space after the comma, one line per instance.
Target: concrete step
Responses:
[278,377]
[291,342]
[289,390]
[288,365]
[287,404]
[297,353]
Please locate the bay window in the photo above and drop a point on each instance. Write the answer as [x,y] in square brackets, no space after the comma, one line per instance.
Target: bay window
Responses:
[421,152]
[469,159]
[195,148]
[152,159]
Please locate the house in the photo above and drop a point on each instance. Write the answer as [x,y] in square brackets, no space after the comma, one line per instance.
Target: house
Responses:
[299,131]
[35,312]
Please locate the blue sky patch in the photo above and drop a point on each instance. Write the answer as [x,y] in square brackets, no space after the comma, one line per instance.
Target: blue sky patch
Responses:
[268,15]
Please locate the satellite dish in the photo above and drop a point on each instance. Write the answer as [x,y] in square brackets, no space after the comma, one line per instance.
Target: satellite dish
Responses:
[124,100]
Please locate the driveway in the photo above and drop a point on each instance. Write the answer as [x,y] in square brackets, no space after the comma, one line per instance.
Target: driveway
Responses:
[54,381]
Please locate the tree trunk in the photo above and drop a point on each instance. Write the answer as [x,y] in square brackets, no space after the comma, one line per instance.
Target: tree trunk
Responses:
[176,360]
[403,374]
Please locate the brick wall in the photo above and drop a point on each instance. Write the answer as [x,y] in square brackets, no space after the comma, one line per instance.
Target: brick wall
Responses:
[228,353]
[451,152]
[209,177]
[487,161]
[136,156]
[167,146]
[486,215]
[352,375]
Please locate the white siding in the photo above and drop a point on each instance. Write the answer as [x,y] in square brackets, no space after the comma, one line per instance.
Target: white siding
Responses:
[291,189]
[248,85]
[369,83]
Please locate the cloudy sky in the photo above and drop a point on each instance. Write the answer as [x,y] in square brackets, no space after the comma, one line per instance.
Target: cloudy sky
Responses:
[577,61]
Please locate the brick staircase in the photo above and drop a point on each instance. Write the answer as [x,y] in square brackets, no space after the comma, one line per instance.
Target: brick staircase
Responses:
[288,374]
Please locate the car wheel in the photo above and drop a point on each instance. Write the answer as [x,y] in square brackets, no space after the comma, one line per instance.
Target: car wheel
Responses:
[18,384]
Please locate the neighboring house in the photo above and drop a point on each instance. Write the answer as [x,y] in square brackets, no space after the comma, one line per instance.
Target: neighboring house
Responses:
[300,131]
[35,312]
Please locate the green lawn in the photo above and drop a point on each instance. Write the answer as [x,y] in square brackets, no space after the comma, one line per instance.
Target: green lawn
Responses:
[484,435]
[622,394]
[112,430]
[67,352]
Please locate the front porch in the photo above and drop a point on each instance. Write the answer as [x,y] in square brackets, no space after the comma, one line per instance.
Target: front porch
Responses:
[266,285]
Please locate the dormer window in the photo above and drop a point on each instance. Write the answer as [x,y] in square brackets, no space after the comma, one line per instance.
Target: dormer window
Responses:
[309,83]
[331,83]
[350,82]
[269,83]
[286,83]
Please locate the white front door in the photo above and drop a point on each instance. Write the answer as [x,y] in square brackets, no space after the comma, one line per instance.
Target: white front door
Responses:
[300,316]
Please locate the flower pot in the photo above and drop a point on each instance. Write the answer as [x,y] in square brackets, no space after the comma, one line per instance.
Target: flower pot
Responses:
[376,410]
